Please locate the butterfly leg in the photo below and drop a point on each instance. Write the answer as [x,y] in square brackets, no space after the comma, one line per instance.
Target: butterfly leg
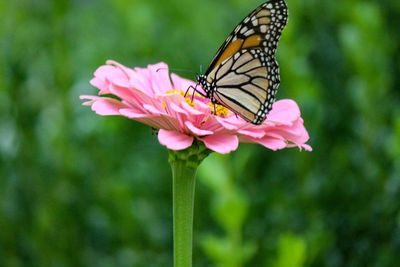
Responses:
[195,91]
[187,90]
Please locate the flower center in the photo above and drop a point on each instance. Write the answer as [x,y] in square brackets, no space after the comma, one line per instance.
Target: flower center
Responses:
[219,110]
[190,99]
[175,92]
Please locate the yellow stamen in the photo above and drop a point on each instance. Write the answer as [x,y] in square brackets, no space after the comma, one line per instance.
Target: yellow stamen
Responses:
[219,110]
[188,98]
[189,101]
[175,92]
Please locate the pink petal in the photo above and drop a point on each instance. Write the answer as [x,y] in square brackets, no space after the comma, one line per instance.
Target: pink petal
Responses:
[296,133]
[284,111]
[151,120]
[132,114]
[181,83]
[103,71]
[91,99]
[153,110]
[227,123]
[222,144]
[174,140]
[121,82]
[178,109]
[271,143]
[191,110]
[160,80]
[100,78]
[127,72]
[130,96]
[141,80]
[107,106]
[306,147]
[255,133]
[117,73]
[155,118]
[184,84]
[100,84]
[197,131]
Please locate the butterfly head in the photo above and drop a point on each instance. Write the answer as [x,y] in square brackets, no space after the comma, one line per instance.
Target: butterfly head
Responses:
[202,80]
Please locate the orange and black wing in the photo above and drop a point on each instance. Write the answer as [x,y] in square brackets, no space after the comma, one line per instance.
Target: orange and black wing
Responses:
[246,84]
[244,74]
[261,29]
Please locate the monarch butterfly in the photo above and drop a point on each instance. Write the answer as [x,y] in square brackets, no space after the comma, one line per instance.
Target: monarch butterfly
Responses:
[244,74]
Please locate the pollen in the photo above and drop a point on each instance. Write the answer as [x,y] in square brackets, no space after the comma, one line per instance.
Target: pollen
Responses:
[175,92]
[188,97]
[219,110]
[189,101]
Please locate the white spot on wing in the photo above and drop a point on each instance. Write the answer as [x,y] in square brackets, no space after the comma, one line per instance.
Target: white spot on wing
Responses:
[263,28]
[243,30]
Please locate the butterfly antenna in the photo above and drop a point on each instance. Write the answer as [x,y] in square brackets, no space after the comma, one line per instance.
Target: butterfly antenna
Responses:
[177,70]
[157,70]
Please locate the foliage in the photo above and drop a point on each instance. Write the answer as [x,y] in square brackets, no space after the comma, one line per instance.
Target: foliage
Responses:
[229,207]
[77,189]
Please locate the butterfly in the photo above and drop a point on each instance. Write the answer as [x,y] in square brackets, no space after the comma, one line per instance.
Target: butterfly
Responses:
[244,74]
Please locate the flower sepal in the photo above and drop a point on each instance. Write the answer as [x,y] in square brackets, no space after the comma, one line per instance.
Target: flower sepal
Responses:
[191,156]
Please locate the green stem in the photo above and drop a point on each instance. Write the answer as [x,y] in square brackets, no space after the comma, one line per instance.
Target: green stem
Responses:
[183,204]
[184,166]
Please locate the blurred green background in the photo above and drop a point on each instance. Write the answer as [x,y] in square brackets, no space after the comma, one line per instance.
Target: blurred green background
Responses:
[77,189]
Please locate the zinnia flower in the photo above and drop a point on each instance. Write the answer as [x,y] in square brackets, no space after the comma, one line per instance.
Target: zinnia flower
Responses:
[152,96]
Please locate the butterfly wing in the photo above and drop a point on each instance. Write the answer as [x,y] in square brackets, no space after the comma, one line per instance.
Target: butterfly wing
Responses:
[244,72]
[246,84]
[261,28]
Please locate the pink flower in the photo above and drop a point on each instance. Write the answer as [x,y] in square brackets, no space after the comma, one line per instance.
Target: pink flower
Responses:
[152,96]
